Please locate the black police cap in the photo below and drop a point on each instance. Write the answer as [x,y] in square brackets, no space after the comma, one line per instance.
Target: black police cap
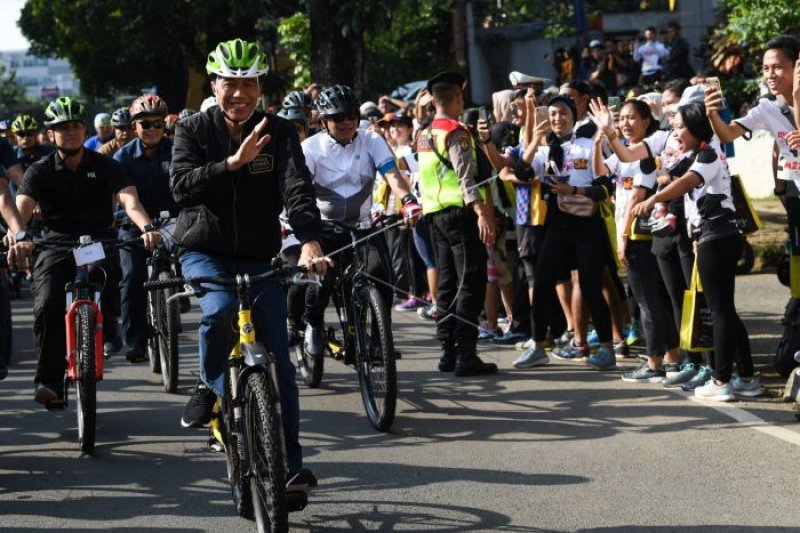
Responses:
[447,78]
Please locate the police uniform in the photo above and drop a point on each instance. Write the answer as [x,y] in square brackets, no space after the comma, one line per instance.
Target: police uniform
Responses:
[447,175]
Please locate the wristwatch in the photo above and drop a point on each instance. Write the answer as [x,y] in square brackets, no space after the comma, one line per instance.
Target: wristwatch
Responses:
[148,228]
[21,236]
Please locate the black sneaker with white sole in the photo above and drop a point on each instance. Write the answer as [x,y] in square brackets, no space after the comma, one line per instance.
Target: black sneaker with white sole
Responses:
[198,411]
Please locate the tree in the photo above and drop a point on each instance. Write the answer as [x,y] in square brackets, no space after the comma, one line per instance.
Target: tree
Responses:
[126,45]
[12,94]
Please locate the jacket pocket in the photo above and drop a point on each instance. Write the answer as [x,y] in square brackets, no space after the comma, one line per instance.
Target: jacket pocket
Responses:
[198,227]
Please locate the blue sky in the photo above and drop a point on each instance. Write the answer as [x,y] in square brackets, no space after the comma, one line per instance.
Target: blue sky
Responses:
[10,36]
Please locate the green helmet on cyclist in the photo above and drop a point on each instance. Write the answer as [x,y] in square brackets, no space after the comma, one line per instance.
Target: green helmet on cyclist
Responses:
[149,104]
[237,58]
[23,123]
[62,110]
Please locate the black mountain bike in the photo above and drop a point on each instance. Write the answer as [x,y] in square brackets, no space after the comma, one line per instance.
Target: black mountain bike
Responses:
[163,315]
[364,338]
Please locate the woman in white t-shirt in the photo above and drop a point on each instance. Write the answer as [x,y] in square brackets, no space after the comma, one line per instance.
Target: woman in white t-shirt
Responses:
[719,246]
[635,181]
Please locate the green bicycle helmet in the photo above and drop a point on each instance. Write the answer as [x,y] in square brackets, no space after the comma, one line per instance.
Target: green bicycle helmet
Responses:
[63,109]
[237,59]
[24,123]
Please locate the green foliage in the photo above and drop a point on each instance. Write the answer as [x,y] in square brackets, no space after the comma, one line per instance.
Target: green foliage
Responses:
[12,94]
[294,37]
[414,45]
[124,45]
[754,22]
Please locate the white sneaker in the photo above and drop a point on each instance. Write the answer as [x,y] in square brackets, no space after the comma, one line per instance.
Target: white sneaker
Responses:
[532,357]
[523,345]
[750,389]
[712,391]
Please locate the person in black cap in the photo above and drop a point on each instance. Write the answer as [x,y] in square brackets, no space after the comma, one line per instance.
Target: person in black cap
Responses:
[460,221]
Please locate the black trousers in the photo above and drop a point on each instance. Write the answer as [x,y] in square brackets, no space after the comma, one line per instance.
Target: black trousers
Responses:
[675,257]
[568,238]
[52,270]
[461,261]
[648,288]
[716,264]
[397,243]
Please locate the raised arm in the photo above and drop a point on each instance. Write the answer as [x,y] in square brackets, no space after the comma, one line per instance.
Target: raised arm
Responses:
[726,132]
[605,120]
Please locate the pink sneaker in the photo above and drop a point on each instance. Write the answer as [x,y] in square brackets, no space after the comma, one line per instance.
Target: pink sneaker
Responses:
[409,305]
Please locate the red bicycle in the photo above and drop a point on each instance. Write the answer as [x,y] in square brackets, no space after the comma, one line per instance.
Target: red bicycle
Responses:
[84,323]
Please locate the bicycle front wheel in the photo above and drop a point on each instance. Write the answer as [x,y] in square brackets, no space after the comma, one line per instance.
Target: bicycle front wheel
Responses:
[86,383]
[375,363]
[168,325]
[265,446]
[153,333]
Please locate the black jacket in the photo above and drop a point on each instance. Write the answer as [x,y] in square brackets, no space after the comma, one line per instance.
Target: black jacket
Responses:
[235,214]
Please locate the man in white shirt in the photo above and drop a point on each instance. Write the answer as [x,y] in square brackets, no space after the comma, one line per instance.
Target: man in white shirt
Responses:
[343,160]
[649,54]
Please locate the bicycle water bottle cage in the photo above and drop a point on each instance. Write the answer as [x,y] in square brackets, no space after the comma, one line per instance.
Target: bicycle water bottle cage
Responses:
[254,354]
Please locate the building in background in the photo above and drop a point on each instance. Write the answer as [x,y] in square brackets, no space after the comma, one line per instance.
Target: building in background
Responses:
[43,78]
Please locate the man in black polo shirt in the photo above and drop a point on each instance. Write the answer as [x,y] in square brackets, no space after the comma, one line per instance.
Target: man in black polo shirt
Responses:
[75,190]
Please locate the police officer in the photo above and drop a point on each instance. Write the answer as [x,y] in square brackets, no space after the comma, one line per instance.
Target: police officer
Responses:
[460,223]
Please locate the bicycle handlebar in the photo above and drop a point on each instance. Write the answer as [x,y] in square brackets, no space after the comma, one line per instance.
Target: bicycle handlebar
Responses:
[232,280]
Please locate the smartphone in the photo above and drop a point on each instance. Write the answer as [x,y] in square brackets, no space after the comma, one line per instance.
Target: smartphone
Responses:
[713,81]
[614,103]
[482,115]
[542,114]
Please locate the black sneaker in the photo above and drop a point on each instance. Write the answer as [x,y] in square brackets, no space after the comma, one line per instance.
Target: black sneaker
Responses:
[112,346]
[447,363]
[474,366]
[197,413]
[3,373]
[135,357]
[302,480]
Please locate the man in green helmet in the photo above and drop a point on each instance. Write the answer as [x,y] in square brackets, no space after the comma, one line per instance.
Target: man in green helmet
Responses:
[75,189]
[233,170]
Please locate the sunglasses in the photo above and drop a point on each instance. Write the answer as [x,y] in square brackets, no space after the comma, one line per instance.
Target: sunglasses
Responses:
[341,117]
[147,124]
[29,133]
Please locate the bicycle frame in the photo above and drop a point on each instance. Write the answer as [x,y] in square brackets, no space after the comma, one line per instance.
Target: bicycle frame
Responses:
[78,295]
[247,356]
[347,300]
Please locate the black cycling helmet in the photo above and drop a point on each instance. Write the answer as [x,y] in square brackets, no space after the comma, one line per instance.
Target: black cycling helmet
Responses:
[297,99]
[337,99]
[186,112]
[121,117]
[294,114]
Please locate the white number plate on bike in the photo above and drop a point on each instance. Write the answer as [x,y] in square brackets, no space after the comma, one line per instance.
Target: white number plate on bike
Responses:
[86,255]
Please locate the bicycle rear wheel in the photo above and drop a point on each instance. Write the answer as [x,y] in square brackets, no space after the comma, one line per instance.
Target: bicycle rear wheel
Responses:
[168,325]
[375,363]
[265,446]
[86,383]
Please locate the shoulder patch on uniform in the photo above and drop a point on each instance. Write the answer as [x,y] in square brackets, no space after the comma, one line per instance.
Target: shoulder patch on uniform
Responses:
[647,165]
[707,156]
[463,142]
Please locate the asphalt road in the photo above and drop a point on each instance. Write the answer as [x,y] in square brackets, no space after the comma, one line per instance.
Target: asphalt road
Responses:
[558,448]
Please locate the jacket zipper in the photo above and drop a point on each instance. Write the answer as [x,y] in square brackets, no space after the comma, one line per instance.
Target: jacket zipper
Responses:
[233,209]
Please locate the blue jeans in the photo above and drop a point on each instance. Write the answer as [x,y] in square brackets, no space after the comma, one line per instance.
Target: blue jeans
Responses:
[217,337]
